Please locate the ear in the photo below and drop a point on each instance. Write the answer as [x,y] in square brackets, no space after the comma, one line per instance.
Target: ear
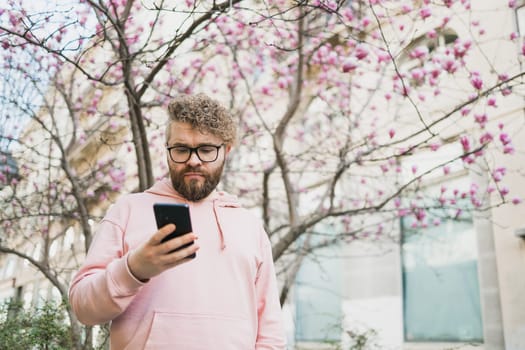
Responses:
[227,149]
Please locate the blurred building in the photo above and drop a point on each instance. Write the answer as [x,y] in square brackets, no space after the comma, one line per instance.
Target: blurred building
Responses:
[458,285]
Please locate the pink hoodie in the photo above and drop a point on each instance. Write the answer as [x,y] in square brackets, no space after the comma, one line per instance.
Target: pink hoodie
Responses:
[226,298]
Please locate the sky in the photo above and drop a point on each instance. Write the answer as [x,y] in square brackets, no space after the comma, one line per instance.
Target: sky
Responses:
[15,89]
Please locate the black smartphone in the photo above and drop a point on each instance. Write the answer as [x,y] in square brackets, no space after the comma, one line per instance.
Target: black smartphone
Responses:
[178,214]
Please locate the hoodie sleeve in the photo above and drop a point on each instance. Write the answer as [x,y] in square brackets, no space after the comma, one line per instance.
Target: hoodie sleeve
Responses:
[104,286]
[270,333]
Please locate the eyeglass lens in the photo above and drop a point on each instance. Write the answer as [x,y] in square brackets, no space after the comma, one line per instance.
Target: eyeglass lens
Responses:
[206,153]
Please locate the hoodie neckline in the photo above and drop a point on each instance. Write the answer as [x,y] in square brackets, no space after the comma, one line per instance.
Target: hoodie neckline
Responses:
[165,188]
[217,198]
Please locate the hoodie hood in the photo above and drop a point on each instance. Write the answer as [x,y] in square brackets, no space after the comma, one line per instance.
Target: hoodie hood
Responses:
[219,199]
[165,188]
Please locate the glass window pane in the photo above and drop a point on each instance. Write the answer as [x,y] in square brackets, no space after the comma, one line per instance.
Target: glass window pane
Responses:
[440,281]
[318,316]
[520,19]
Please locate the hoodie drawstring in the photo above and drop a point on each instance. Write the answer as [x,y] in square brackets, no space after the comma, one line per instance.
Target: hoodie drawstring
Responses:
[223,242]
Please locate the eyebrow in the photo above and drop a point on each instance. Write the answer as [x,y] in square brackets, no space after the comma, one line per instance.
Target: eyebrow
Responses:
[180,144]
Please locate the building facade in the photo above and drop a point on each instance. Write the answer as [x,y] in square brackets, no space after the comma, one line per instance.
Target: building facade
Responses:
[458,284]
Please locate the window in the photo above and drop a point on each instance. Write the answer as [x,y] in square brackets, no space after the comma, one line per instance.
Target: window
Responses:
[441,300]
[28,295]
[520,19]
[69,238]
[318,316]
[9,268]
[442,38]
[53,248]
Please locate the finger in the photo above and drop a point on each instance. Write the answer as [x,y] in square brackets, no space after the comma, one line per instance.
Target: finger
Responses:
[177,242]
[162,233]
[180,256]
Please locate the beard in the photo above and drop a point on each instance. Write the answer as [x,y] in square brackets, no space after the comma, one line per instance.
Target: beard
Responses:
[194,190]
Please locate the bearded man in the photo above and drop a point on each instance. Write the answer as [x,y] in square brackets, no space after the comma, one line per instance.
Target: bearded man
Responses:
[151,290]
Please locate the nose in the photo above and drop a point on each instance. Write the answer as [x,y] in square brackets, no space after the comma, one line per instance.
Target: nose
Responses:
[194,159]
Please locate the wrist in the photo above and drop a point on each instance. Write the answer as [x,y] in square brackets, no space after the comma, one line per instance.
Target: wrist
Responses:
[132,271]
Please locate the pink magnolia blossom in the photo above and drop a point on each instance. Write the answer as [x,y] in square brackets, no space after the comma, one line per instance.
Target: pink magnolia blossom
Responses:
[497,177]
[397,202]
[266,90]
[361,51]
[450,65]
[432,34]
[468,159]
[508,149]
[476,202]
[465,143]
[383,56]
[516,201]
[349,65]
[461,48]
[418,74]
[434,146]
[481,119]
[406,8]
[402,212]
[476,81]
[486,138]
[503,76]
[365,22]
[329,5]
[348,14]
[419,52]
[504,138]
[425,12]
[465,111]
[501,169]
[473,189]
[506,91]
[420,214]
[282,82]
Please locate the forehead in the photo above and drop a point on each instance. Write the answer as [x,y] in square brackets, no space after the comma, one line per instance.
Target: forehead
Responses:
[184,133]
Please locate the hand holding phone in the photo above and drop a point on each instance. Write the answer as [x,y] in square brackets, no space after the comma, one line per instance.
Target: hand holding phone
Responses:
[178,214]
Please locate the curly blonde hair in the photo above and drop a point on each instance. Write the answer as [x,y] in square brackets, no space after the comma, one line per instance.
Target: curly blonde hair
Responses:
[202,113]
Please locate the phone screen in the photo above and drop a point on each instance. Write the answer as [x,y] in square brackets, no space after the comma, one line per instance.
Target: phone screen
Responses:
[178,214]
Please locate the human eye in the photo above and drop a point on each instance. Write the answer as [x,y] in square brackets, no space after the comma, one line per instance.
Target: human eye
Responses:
[206,149]
[180,150]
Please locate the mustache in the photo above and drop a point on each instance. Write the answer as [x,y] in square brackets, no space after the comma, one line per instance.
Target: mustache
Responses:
[193,169]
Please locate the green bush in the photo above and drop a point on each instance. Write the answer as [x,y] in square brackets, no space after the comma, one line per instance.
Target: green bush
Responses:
[38,328]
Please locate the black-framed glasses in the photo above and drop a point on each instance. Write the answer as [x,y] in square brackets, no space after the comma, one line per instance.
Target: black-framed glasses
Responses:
[206,153]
